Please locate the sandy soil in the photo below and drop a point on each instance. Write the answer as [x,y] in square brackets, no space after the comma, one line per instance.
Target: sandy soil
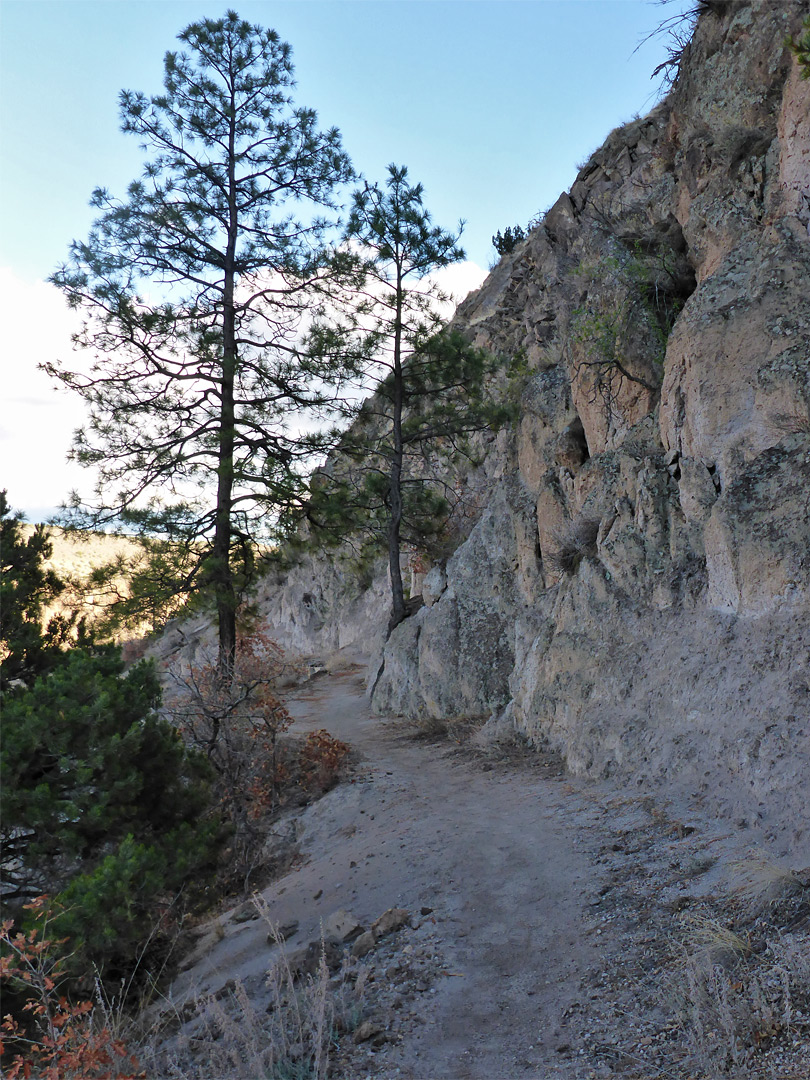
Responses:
[543,911]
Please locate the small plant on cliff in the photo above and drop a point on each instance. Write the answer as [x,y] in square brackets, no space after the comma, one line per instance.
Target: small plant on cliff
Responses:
[505,242]
[634,294]
[800,47]
[791,423]
[574,542]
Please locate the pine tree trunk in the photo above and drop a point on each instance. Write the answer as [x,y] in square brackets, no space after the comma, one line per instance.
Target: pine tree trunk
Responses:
[224,590]
[395,478]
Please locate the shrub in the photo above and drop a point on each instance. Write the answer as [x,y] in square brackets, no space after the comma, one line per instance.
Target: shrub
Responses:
[237,727]
[320,760]
[506,241]
[51,1037]
[575,541]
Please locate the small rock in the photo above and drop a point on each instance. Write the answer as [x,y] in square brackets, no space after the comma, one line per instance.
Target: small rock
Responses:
[367,1030]
[245,912]
[307,961]
[211,936]
[224,990]
[389,922]
[343,926]
[281,933]
[364,944]
[318,894]
[426,911]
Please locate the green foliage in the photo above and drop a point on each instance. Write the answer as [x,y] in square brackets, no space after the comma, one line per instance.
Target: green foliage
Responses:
[425,382]
[193,287]
[505,242]
[26,588]
[800,47]
[101,800]
[647,296]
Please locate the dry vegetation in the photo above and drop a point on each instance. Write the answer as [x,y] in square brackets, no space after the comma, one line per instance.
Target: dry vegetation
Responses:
[74,558]
[573,543]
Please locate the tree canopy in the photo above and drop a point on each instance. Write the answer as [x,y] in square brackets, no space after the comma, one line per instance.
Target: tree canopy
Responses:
[27,587]
[194,286]
[425,381]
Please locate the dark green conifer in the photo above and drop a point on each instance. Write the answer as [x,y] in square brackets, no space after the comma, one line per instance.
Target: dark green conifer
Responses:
[425,382]
[193,287]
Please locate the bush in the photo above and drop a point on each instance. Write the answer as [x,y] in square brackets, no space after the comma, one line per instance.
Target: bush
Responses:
[237,726]
[505,242]
[575,541]
[102,803]
[54,1038]
[320,760]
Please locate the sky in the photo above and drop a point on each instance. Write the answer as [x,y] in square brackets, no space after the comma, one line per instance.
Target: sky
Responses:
[491,104]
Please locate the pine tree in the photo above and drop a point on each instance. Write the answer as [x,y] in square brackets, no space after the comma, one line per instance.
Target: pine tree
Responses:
[194,286]
[426,382]
[85,762]
[27,587]
[104,808]
[102,802]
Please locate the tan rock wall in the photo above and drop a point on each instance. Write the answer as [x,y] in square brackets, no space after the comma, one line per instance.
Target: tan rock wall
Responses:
[674,654]
[663,311]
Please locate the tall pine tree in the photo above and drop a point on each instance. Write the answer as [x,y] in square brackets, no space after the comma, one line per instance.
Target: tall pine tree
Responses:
[425,382]
[194,286]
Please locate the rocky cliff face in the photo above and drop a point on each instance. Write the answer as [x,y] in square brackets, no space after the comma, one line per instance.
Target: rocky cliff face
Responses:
[636,590]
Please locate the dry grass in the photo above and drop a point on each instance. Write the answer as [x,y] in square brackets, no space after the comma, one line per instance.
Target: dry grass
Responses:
[740,1007]
[290,1035]
[729,1015]
[574,542]
[456,729]
[713,943]
[763,888]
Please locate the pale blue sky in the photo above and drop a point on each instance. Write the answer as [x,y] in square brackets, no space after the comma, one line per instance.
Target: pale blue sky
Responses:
[491,105]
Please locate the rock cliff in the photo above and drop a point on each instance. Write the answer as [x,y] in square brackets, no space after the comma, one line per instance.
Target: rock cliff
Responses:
[635,591]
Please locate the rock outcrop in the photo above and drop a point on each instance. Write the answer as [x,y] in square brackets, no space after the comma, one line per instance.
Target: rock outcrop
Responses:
[636,589]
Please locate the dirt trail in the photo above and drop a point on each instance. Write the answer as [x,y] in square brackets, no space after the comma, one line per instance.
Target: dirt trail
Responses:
[537,887]
[494,858]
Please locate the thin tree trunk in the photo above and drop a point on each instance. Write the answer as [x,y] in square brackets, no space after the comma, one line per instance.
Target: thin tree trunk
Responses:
[395,479]
[222,570]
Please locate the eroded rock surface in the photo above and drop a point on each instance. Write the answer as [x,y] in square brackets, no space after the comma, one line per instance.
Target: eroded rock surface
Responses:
[635,591]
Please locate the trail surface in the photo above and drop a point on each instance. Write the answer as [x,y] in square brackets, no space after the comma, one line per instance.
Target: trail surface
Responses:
[537,903]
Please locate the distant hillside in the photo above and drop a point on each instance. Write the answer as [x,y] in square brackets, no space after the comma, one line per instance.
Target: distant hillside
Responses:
[74,559]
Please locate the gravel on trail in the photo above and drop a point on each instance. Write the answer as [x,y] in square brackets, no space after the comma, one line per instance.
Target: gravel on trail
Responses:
[540,918]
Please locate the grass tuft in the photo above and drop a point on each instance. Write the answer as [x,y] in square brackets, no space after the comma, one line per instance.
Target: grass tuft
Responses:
[574,542]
